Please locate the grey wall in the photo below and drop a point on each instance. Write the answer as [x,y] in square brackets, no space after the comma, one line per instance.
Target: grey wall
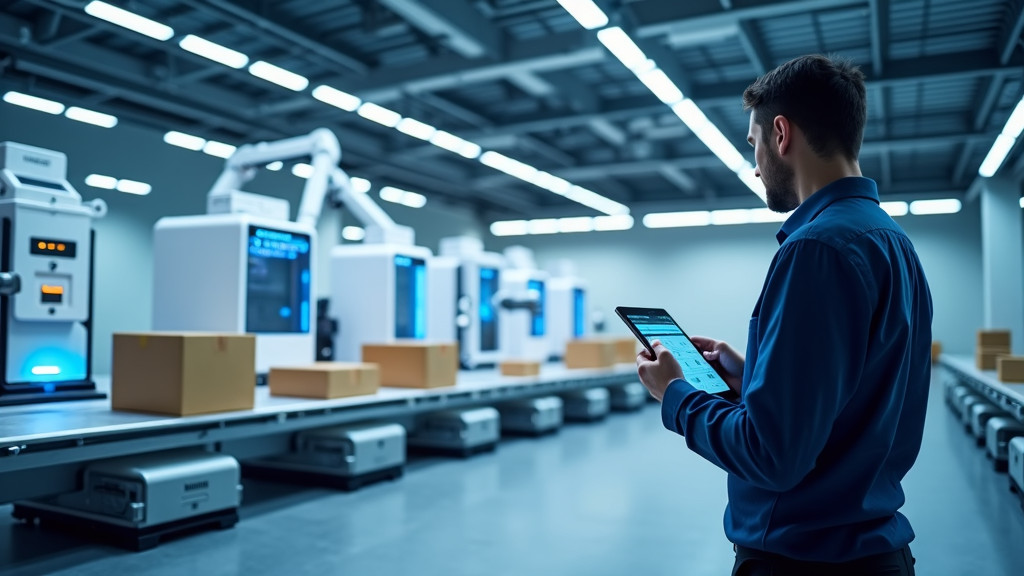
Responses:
[710,278]
[180,179]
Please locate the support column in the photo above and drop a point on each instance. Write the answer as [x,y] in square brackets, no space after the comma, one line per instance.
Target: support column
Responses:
[1002,248]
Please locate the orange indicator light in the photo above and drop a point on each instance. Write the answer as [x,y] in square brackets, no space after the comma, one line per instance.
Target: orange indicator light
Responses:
[60,247]
[51,246]
[42,245]
[57,290]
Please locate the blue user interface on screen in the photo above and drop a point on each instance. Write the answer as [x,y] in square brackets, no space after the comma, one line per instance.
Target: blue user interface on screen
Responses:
[696,369]
[410,297]
[277,282]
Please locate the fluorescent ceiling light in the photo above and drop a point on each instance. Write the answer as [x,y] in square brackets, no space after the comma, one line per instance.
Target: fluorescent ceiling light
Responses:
[509,166]
[692,116]
[182,140]
[622,47]
[46,370]
[133,187]
[730,217]
[391,194]
[659,83]
[944,206]
[747,176]
[994,159]
[277,75]
[551,183]
[453,143]
[761,215]
[91,117]
[101,181]
[415,128]
[616,222]
[353,233]
[337,98]
[544,226]
[895,208]
[33,102]
[129,20]
[302,170]
[360,185]
[576,224]
[275,166]
[1022,201]
[379,114]
[586,13]
[677,219]
[596,201]
[218,149]
[414,200]
[510,228]
[1015,124]
[212,51]
[399,196]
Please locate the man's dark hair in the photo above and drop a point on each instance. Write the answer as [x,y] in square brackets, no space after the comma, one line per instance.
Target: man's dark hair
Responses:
[823,96]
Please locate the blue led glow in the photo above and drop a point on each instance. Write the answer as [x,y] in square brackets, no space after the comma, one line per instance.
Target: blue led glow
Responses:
[487,273]
[420,330]
[403,261]
[537,326]
[71,365]
[49,387]
[304,321]
[305,276]
[285,312]
[579,307]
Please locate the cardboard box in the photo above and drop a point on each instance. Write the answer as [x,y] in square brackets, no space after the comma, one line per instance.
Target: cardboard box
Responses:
[985,358]
[1010,368]
[415,364]
[520,368]
[936,351]
[993,338]
[183,373]
[590,354]
[325,380]
[626,350]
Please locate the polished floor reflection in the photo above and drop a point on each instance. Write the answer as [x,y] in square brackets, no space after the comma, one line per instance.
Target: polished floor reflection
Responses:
[617,497]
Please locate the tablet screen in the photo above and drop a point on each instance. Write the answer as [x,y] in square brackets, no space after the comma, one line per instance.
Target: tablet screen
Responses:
[658,325]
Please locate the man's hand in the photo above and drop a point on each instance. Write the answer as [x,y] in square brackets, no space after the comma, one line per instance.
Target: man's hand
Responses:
[656,373]
[724,359]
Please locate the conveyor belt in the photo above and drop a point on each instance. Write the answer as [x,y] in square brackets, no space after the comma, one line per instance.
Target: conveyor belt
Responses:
[1009,397]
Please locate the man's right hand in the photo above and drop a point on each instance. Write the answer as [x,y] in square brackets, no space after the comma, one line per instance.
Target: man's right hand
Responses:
[724,359]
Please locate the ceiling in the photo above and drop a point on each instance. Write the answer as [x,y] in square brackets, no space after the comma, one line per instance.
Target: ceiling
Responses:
[523,78]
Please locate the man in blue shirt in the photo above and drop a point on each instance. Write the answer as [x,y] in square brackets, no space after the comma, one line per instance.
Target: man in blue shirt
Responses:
[835,381]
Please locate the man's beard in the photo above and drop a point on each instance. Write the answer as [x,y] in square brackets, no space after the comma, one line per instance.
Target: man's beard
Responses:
[780,184]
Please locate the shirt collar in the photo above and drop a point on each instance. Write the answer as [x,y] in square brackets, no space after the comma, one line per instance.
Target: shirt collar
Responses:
[850,187]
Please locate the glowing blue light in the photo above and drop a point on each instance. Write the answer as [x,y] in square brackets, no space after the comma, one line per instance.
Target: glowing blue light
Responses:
[305,276]
[52,363]
[403,261]
[420,331]
[304,320]
[49,387]
[285,312]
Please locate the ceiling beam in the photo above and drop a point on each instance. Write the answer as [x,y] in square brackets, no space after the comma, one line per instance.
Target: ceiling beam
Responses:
[960,170]
[879,34]
[988,96]
[460,26]
[1012,28]
[754,47]
[661,18]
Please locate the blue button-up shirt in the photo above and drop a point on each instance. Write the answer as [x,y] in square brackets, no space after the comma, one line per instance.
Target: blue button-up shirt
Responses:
[834,387]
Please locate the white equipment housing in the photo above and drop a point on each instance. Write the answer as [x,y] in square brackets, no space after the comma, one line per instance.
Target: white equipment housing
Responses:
[981,413]
[523,315]
[532,416]
[45,278]
[465,283]
[999,430]
[567,316]
[244,267]
[1016,464]
[628,397]
[587,405]
[461,432]
[236,273]
[378,295]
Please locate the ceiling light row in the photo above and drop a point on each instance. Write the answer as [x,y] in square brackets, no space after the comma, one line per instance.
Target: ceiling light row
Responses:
[618,42]
[52,107]
[329,95]
[562,225]
[121,185]
[1004,142]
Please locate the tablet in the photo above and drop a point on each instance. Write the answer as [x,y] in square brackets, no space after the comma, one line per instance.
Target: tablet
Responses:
[649,324]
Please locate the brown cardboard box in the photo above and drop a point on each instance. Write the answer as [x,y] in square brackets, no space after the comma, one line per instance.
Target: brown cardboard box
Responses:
[183,373]
[520,368]
[590,354]
[415,364]
[626,350]
[985,358]
[325,380]
[936,351]
[1010,368]
[993,338]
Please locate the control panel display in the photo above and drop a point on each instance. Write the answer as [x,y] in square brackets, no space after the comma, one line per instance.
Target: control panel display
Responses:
[52,247]
[410,297]
[278,281]
[488,315]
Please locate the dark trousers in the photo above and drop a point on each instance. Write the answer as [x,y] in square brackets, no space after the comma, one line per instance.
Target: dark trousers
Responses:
[751,562]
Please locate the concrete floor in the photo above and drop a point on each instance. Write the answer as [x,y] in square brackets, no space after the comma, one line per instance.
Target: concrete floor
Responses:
[617,497]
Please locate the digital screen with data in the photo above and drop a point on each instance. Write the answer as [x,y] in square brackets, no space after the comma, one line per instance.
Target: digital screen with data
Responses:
[488,314]
[696,369]
[410,297]
[277,287]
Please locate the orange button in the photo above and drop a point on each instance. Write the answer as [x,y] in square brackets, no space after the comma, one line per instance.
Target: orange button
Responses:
[42,245]
[51,246]
[60,247]
[52,289]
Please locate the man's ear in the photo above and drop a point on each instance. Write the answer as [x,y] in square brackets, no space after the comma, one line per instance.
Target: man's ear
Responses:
[782,135]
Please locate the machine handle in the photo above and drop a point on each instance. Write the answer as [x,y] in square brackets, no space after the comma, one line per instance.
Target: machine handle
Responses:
[10,283]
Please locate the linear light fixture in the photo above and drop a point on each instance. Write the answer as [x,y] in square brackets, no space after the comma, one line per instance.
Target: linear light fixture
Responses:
[186,141]
[586,13]
[275,166]
[622,47]
[213,51]
[101,181]
[218,149]
[302,170]
[510,228]
[91,117]
[33,102]
[453,143]
[277,75]
[360,185]
[996,155]
[379,114]
[129,20]
[895,209]
[677,219]
[403,197]
[942,206]
[133,187]
[660,85]
[573,224]
[337,98]
[353,233]
[1022,201]
[415,128]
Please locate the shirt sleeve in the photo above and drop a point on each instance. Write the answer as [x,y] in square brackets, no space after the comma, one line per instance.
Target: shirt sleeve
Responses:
[812,338]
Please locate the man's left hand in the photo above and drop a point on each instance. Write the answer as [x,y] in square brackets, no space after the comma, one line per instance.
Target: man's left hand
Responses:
[656,373]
